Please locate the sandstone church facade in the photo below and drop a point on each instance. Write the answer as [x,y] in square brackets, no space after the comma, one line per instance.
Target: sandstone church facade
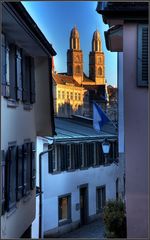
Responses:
[73,91]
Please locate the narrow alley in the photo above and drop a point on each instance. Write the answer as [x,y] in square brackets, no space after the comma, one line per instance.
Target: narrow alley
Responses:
[92,230]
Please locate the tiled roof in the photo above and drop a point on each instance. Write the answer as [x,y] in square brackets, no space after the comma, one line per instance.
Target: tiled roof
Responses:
[65,79]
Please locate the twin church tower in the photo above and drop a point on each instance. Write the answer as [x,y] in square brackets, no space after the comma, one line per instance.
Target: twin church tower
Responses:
[74,91]
[96,60]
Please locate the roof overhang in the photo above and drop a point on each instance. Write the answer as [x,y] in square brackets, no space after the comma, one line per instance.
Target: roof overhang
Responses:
[114,38]
[126,11]
[20,29]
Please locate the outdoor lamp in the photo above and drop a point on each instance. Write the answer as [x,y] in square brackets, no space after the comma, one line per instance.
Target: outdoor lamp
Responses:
[106,149]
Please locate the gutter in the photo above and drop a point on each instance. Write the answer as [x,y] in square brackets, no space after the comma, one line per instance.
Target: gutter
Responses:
[41,190]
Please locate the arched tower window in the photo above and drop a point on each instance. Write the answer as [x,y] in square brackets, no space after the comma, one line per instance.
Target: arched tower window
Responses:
[99,71]
[78,69]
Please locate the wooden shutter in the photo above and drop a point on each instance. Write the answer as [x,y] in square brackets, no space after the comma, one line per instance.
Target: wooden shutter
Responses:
[32,79]
[63,157]
[19,73]
[3,186]
[33,166]
[19,184]
[26,79]
[11,177]
[3,49]
[26,168]
[5,68]
[12,69]
[51,157]
[142,55]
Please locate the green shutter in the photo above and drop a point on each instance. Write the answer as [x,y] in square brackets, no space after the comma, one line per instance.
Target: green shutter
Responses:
[142,55]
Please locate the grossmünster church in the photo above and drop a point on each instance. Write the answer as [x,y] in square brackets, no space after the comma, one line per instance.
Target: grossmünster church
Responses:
[74,92]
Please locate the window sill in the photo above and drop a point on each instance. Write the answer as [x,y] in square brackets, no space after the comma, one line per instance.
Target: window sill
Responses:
[27,107]
[12,103]
[63,222]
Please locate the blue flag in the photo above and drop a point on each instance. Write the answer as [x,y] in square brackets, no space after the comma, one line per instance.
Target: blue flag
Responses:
[99,117]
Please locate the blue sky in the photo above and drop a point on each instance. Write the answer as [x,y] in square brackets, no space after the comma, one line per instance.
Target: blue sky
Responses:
[56,19]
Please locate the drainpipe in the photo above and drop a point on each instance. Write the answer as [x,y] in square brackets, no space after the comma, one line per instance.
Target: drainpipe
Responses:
[41,192]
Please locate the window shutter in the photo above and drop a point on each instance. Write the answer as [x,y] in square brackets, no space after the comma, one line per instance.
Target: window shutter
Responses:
[63,157]
[26,168]
[26,79]
[50,161]
[142,61]
[12,69]
[11,177]
[19,184]
[32,97]
[19,73]
[3,187]
[33,166]
[5,68]
[3,49]
[80,155]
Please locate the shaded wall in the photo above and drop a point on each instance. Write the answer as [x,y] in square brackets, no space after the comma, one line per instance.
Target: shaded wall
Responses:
[136,139]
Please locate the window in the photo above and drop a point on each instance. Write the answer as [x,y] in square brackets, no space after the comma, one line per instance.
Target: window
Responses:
[28,80]
[99,154]
[71,95]
[98,60]
[5,68]
[19,73]
[64,206]
[19,173]
[18,81]
[99,71]
[100,198]
[88,154]
[79,96]
[29,167]
[19,170]
[67,95]
[78,69]
[142,55]
[52,160]
[76,153]
[75,96]
[11,177]
[63,94]
[59,94]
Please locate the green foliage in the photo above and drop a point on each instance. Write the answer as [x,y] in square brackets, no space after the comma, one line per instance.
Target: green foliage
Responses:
[115,219]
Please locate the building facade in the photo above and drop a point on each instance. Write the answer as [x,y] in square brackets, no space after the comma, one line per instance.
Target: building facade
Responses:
[74,92]
[26,66]
[128,35]
[78,179]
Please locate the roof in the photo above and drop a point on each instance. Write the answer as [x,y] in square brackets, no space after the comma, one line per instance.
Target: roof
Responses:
[76,129]
[65,79]
[126,10]
[25,17]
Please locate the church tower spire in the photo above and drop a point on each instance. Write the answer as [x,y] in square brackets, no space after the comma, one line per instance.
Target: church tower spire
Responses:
[75,57]
[96,60]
